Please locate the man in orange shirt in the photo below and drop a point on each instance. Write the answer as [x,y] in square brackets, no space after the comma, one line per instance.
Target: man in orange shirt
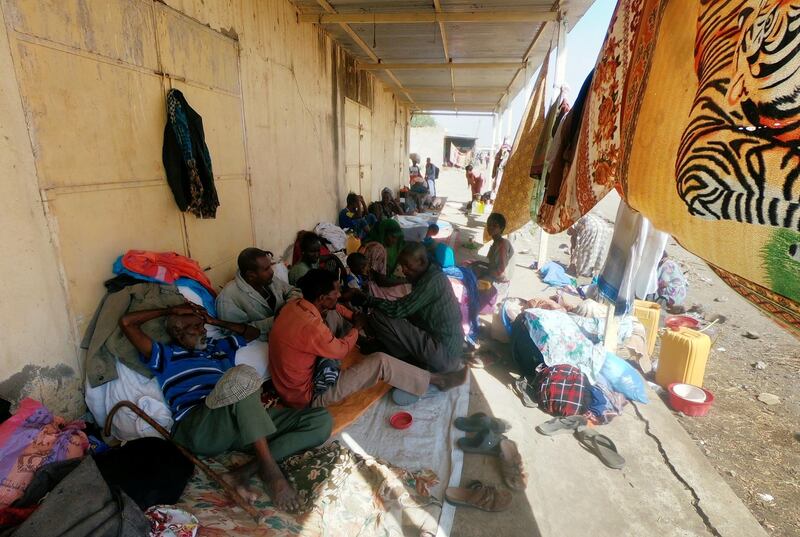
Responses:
[300,336]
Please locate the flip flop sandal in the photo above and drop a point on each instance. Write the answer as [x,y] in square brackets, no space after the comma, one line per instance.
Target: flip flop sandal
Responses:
[479,496]
[511,465]
[480,422]
[485,442]
[602,446]
[567,424]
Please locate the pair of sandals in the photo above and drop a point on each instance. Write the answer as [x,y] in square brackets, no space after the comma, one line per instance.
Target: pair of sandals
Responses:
[488,439]
[599,444]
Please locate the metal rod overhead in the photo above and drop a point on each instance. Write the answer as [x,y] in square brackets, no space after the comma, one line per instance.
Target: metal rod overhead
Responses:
[411,17]
[447,89]
[439,65]
[459,114]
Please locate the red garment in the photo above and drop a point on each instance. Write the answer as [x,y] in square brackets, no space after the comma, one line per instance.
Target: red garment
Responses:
[298,337]
[476,183]
[563,390]
[297,254]
[165,267]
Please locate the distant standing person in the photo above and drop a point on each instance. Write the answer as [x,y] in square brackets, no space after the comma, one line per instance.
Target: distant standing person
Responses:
[475,184]
[431,175]
[414,174]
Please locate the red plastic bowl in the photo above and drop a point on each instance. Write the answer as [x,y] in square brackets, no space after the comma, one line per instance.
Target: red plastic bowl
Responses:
[401,420]
[689,408]
[676,322]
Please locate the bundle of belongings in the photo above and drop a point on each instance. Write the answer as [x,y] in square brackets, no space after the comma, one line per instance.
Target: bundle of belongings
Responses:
[114,371]
[566,370]
[49,486]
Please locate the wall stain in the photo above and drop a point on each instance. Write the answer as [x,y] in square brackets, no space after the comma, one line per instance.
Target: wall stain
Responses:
[57,387]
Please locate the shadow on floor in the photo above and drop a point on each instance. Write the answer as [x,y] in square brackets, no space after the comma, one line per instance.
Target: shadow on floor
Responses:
[518,520]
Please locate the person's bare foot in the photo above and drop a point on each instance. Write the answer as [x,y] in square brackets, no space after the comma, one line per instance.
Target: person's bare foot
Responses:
[240,480]
[282,494]
[445,381]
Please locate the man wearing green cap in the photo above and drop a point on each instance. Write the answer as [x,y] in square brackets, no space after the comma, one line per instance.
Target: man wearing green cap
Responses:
[216,405]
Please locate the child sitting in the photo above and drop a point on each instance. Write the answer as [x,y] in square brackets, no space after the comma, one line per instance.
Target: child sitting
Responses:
[498,266]
[358,277]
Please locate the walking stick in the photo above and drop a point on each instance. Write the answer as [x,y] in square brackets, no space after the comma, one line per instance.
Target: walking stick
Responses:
[229,489]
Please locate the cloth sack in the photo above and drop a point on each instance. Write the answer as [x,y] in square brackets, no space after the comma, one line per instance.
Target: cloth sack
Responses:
[30,439]
[562,390]
[150,471]
[129,386]
[333,234]
[83,504]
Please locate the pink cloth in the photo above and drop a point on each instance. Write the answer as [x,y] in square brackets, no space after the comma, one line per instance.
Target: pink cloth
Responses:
[30,439]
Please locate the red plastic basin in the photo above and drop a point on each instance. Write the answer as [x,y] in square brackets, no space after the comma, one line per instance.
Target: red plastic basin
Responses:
[689,408]
[401,420]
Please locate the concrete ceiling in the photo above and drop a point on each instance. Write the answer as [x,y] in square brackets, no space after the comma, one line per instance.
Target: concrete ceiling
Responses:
[463,55]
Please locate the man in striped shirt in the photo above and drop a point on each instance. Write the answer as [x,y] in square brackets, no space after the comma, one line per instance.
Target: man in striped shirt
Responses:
[423,327]
[190,366]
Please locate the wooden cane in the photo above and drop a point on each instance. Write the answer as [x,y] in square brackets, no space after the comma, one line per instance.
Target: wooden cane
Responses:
[229,490]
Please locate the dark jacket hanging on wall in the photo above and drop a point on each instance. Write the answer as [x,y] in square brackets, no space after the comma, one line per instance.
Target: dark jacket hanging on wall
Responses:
[186,159]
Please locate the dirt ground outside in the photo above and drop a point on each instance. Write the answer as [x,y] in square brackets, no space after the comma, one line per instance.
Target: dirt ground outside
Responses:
[755,447]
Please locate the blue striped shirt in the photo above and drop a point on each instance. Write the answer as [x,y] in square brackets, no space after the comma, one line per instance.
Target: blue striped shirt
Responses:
[187,376]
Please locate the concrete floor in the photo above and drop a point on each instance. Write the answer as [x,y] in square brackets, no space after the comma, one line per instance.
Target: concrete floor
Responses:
[667,488]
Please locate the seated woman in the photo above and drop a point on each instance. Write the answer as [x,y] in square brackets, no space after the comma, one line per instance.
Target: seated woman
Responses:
[389,207]
[382,249]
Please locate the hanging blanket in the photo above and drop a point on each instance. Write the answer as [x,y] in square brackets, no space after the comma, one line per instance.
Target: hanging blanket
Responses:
[516,188]
[341,492]
[720,171]
[603,138]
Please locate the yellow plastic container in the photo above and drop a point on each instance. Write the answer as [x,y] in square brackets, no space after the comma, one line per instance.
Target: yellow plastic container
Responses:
[683,357]
[648,314]
[353,244]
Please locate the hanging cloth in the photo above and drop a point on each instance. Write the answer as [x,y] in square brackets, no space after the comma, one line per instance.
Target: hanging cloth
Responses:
[600,153]
[714,140]
[186,159]
[631,268]
[514,194]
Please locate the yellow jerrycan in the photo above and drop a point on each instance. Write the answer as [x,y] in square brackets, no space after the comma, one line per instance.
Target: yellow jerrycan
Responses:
[648,314]
[683,357]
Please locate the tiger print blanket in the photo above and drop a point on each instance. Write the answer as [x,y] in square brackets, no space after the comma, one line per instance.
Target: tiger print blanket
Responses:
[715,158]
[694,115]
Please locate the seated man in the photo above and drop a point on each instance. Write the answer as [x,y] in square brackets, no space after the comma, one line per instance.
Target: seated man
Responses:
[212,417]
[310,248]
[424,327]
[356,216]
[255,296]
[300,337]
[499,266]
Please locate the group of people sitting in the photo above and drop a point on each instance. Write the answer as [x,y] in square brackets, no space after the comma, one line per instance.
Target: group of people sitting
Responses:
[393,302]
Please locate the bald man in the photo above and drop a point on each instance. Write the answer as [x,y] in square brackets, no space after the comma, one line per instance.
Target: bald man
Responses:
[423,327]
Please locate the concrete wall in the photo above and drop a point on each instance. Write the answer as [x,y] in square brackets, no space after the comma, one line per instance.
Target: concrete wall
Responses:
[82,113]
[428,142]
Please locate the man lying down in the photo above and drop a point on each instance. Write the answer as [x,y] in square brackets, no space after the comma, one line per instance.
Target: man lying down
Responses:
[216,405]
